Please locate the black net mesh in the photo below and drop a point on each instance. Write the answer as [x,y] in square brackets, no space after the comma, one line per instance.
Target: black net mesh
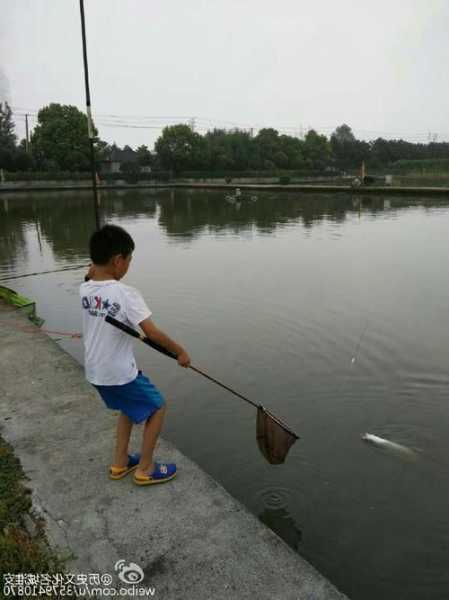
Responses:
[273,438]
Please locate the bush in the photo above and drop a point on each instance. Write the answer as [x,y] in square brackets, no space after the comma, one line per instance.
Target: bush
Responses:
[273,173]
[425,166]
[285,176]
[133,177]
[45,175]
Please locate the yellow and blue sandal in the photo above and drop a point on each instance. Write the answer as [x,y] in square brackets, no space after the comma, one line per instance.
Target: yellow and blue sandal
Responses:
[119,472]
[162,473]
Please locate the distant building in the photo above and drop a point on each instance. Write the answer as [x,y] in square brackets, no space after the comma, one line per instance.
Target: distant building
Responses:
[118,157]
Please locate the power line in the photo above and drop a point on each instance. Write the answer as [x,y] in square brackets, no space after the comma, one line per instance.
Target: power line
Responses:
[158,122]
[122,125]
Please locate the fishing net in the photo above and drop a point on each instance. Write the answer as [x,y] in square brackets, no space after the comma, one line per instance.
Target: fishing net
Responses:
[273,437]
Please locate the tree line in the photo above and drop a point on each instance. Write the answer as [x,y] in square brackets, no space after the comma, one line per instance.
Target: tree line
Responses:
[59,143]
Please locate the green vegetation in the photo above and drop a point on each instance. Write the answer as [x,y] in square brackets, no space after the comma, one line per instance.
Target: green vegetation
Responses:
[12,156]
[59,140]
[422,167]
[20,551]
[59,144]
[347,150]
[180,148]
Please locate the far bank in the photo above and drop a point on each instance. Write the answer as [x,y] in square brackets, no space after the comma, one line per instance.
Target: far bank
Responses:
[45,186]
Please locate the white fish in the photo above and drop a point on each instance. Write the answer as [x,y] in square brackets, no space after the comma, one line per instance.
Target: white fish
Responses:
[386,444]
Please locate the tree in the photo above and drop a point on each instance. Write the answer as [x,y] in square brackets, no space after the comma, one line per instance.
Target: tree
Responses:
[219,150]
[23,160]
[317,150]
[381,152]
[343,135]
[347,150]
[7,137]
[281,159]
[267,141]
[180,148]
[292,148]
[60,140]
[229,150]
[144,156]
[241,148]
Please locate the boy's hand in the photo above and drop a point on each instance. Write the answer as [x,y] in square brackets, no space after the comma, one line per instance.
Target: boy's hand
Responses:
[183,359]
[90,273]
[159,337]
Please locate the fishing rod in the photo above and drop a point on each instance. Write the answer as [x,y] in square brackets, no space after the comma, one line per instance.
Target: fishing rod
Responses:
[90,128]
[376,440]
[74,268]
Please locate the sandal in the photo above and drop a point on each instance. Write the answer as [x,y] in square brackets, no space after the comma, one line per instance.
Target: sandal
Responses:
[119,472]
[162,472]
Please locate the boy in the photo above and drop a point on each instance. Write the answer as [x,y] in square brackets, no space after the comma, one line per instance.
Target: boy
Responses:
[109,361]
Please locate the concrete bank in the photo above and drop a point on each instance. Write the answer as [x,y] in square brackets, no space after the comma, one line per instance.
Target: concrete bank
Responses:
[189,536]
[368,189]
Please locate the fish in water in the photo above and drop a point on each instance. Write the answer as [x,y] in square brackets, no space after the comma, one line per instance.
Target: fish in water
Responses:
[387,445]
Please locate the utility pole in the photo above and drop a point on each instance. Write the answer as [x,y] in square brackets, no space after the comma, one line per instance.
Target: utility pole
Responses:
[90,128]
[27,135]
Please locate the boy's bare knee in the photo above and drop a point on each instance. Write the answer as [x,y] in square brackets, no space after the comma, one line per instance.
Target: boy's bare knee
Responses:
[125,418]
[160,412]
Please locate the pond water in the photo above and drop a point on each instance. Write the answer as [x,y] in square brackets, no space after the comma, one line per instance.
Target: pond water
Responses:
[331,310]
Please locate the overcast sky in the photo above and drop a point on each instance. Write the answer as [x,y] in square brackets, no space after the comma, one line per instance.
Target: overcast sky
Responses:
[382,67]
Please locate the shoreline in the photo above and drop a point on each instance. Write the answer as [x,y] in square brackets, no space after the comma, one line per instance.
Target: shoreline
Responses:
[386,190]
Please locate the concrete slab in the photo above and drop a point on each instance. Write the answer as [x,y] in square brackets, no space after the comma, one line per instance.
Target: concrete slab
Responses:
[189,536]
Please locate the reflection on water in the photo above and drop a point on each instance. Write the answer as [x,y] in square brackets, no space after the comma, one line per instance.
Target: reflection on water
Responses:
[65,220]
[276,514]
[280,521]
[276,296]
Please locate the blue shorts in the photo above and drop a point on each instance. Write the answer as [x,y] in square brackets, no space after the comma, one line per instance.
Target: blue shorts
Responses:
[138,399]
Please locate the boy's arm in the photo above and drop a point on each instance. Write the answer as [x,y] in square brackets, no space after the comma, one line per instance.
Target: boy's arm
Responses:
[161,338]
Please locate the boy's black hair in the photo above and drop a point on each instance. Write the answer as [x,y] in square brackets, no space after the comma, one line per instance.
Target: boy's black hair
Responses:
[109,241]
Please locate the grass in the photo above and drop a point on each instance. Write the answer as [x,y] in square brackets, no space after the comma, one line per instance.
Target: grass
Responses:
[432,167]
[20,552]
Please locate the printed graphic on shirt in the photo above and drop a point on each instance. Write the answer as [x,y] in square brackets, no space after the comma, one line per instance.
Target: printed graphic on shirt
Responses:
[97,307]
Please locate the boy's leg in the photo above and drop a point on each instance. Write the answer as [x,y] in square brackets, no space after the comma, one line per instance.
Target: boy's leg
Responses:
[124,427]
[151,431]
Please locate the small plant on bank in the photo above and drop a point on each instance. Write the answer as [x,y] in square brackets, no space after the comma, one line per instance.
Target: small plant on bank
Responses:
[21,550]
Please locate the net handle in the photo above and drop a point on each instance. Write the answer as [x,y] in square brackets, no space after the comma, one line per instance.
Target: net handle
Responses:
[130,331]
[125,328]
[226,387]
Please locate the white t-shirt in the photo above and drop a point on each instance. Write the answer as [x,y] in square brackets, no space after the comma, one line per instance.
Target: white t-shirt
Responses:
[108,352]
